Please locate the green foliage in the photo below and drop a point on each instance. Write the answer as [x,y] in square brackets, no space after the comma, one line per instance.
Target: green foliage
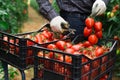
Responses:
[55,6]
[34,4]
[117,65]
[12,15]
[111,27]
[111,19]
[12,72]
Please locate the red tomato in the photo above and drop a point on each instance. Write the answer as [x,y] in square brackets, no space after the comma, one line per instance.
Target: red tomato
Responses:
[86,44]
[5,38]
[47,34]
[61,45]
[89,22]
[87,31]
[116,37]
[28,41]
[85,51]
[12,46]
[76,47]
[96,63]
[93,39]
[85,78]
[81,45]
[68,59]
[99,34]
[98,26]
[38,38]
[40,54]
[116,6]
[76,52]
[70,50]
[51,46]
[102,78]
[106,76]
[99,51]
[104,59]
[35,39]
[86,68]
[29,52]
[50,55]
[59,57]
[68,45]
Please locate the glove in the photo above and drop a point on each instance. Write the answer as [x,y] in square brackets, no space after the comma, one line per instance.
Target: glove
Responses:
[98,8]
[58,24]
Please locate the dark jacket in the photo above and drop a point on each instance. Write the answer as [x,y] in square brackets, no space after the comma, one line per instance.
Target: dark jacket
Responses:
[78,6]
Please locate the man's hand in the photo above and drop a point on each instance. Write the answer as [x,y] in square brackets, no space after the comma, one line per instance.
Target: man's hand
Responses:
[56,24]
[98,8]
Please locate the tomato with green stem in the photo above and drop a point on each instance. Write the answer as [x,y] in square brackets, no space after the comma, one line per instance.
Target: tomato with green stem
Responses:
[93,39]
[89,22]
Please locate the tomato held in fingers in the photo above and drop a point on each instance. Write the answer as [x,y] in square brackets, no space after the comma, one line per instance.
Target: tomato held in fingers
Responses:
[93,39]
[87,31]
[89,22]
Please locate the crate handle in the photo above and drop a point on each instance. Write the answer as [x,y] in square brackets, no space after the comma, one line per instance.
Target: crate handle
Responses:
[113,46]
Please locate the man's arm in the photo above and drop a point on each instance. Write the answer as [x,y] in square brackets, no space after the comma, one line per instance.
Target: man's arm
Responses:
[46,9]
[50,14]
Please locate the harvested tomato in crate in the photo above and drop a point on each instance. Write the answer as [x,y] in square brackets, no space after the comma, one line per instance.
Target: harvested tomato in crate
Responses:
[76,61]
[16,49]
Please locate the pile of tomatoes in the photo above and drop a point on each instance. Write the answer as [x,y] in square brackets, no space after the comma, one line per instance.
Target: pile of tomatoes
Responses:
[84,48]
[45,36]
[90,51]
[88,48]
[42,37]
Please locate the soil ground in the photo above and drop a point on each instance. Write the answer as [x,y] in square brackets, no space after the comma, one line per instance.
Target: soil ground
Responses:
[34,22]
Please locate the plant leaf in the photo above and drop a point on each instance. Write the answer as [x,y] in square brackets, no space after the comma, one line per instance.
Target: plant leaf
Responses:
[2,12]
[3,26]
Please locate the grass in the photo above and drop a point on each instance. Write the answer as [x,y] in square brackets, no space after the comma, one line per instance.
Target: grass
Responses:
[34,4]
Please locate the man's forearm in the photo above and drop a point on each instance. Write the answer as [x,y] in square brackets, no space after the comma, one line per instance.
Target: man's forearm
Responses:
[46,9]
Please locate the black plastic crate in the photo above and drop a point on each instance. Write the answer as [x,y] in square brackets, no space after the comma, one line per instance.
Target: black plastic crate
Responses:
[51,68]
[14,49]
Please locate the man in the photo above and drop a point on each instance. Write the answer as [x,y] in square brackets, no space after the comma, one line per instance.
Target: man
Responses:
[72,12]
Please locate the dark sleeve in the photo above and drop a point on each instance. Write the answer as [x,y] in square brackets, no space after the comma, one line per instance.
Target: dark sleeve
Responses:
[46,9]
